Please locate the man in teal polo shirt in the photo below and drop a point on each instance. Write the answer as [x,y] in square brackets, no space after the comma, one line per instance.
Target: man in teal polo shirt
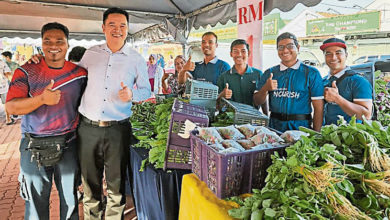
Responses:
[346,93]
[210,68]
[239,83]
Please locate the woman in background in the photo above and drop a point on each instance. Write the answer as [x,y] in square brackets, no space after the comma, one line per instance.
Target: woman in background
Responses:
[169,81]
[155,73]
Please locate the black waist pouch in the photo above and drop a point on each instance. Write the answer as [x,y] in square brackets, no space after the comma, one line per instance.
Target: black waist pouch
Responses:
[47,151]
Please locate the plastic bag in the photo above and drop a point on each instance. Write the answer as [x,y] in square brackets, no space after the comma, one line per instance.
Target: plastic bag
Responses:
[262,146]
[262,129]
[247,144]
[230,133]
[229,150]
[231,143]
[217,146]
[263,138]
[247,130]
[293,136]
[210,135]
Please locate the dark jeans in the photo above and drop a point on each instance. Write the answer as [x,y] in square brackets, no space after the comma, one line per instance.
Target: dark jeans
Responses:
[104,149]
[36,183]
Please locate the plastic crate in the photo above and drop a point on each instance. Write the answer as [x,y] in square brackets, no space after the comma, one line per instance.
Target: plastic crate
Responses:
[231,174]
[201,90]
[178,157]
[245,114]
[178,152]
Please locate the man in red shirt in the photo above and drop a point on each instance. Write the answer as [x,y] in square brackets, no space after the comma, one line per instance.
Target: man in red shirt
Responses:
[47,94]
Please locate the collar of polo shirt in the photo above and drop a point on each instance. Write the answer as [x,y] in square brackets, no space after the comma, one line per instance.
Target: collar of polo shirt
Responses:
[339,74]
[213,61]
[295,66]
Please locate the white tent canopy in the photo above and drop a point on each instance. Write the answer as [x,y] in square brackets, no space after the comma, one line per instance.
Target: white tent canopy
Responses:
[151,19]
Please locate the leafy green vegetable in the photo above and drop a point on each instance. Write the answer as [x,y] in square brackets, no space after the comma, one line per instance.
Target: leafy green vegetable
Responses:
[342,172]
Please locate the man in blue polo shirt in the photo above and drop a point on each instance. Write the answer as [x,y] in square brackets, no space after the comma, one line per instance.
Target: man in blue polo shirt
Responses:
[210,68]
[239,83]
[293,88]
[346,93]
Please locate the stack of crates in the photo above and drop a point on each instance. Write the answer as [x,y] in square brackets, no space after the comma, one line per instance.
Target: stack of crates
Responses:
[231,174]
[245,114]
[178,152]
[204,94]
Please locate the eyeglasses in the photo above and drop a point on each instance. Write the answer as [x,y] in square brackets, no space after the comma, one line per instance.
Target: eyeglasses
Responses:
[288,46]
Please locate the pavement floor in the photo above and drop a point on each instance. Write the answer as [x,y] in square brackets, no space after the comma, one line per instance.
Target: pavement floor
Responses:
[11,204]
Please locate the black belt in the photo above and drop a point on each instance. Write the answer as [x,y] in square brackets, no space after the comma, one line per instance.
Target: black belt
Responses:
[285,117]
[104,123]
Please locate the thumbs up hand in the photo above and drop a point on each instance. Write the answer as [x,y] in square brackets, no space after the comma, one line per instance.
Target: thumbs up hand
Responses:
[125,94]
[271,83]
[227,93]
[331,94]
[50,96]
[189,66]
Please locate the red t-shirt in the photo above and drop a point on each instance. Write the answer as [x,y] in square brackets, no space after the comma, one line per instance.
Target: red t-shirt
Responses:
[30,80]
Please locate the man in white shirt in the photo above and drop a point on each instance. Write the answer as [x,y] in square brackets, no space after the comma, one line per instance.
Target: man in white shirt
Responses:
[105,131]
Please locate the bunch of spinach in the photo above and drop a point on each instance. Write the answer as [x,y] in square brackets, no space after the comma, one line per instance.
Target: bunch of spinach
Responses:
[224,119]
[141,121]
[382,99]
[152,123]
[327,175]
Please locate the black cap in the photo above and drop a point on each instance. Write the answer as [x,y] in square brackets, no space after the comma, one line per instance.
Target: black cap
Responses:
[333,42]
[287,35]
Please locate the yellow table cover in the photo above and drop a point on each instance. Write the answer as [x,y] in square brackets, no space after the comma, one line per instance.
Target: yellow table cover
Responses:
[198,202]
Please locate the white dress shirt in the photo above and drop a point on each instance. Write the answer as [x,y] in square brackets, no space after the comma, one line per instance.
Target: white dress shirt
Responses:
[106,71]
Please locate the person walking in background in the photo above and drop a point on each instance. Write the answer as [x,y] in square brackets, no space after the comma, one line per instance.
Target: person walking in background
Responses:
[346,93]
[12,65]
[155,73]
[5,73]
[48,94]
[170,82]
[160,60]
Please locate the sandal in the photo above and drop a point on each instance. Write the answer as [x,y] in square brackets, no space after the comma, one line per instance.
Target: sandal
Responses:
[11,122]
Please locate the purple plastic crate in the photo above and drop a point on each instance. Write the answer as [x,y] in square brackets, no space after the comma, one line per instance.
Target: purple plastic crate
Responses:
[187,106]
[178,157]
[179,115]
[178,148]
[231,174]
[196,152]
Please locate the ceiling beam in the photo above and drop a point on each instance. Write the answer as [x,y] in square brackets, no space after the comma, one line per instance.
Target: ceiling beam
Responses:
[68,5]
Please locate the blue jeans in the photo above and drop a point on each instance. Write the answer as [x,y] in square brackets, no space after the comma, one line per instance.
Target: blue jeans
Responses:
[36,183]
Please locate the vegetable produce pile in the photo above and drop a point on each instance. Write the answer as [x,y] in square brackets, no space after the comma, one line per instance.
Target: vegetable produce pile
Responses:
[151,126]
[223,119]
[382,99]
[232,139]
[343,172]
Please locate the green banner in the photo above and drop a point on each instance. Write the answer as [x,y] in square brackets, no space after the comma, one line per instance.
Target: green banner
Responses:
[272,23]
[361,22]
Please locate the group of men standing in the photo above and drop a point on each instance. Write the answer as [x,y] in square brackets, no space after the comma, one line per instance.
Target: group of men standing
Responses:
[87,107]
[294,92]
